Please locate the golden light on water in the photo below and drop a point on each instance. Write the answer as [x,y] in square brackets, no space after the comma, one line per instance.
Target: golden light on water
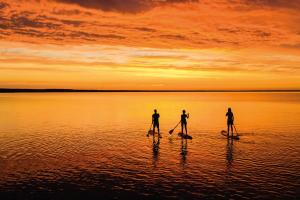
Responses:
[98,140]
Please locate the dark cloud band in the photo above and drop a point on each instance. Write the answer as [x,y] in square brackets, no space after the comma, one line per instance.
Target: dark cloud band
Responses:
[127,6]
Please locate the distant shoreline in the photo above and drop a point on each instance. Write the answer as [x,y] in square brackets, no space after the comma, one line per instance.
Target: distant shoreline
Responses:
[8,90]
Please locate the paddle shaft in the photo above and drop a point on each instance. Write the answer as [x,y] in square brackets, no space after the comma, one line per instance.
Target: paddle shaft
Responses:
[149,129]
[235,130]
[176,125]
[151,126]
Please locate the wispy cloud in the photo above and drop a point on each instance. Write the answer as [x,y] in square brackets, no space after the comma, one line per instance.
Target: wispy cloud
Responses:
[93,56]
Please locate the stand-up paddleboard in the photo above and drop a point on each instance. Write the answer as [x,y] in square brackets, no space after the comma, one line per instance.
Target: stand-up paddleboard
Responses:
[151,132]
[184,136]
[235,137]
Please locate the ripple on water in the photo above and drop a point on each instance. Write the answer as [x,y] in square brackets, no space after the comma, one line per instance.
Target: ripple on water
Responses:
[74,155]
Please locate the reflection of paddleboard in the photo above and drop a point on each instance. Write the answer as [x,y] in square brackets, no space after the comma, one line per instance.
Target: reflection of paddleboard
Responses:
[184,136]
[235,137]
[151,132]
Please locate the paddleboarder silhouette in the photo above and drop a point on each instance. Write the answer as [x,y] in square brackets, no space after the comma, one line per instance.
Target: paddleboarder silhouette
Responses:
[155,121]
[183,121]
[230,120]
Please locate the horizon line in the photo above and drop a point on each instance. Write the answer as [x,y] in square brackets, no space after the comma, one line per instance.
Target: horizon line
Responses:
[52,90]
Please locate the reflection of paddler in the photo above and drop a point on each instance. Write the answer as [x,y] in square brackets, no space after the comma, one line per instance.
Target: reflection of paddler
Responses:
[183,147]
[156,145]
[155,150]
[229,153]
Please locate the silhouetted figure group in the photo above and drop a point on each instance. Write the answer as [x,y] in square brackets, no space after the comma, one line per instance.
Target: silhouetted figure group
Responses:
[183,122]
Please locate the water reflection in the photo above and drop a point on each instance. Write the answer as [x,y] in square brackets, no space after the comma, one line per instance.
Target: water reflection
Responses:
[229,175]
[63,146]
[155,149]
[170,140]
[229,152]
[229,156]
[184,151]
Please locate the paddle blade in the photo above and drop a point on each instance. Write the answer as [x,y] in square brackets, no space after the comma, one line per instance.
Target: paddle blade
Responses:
[171,131]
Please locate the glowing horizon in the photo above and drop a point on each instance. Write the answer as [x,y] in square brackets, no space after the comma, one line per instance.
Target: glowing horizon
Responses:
[147,44]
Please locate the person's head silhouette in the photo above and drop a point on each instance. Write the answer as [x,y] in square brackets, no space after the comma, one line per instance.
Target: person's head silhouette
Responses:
[183,111]
[155,111]
[229,109]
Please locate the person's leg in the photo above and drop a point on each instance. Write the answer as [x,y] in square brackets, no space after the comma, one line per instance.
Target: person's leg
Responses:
[231,125]
[228,129]
[158,129]
[182,128]
[185,125]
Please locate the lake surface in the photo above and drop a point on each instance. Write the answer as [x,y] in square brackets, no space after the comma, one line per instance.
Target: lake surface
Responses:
[84,145]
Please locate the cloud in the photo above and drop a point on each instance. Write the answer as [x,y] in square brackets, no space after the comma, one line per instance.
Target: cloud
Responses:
[275,3]
[98,56]
[146,29]
[128,6]
[174,37]
[87,35]
[3,5]
[111,5]
[75,23]
[18,21]
[171,24]
[42,69]
[256,38]
[292,46]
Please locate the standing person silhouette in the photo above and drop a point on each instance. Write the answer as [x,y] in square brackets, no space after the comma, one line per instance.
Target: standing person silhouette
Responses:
[155,121]
[184,118]
[230,120]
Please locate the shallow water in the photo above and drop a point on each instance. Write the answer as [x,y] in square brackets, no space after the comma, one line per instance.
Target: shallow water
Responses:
[81,145]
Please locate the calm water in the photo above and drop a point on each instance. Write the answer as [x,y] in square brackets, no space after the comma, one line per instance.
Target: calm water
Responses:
[81,145]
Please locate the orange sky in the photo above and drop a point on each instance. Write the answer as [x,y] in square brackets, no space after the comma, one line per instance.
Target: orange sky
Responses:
[150,44]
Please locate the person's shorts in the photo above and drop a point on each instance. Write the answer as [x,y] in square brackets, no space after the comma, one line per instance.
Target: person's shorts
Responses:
[229,122]
[183,123]
[156,125]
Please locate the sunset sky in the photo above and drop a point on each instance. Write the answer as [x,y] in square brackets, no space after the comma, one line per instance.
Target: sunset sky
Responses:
[150,44]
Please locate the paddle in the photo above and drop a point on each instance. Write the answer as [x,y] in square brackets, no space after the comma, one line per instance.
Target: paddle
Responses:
[171,131]
[235,130]
[149,130]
